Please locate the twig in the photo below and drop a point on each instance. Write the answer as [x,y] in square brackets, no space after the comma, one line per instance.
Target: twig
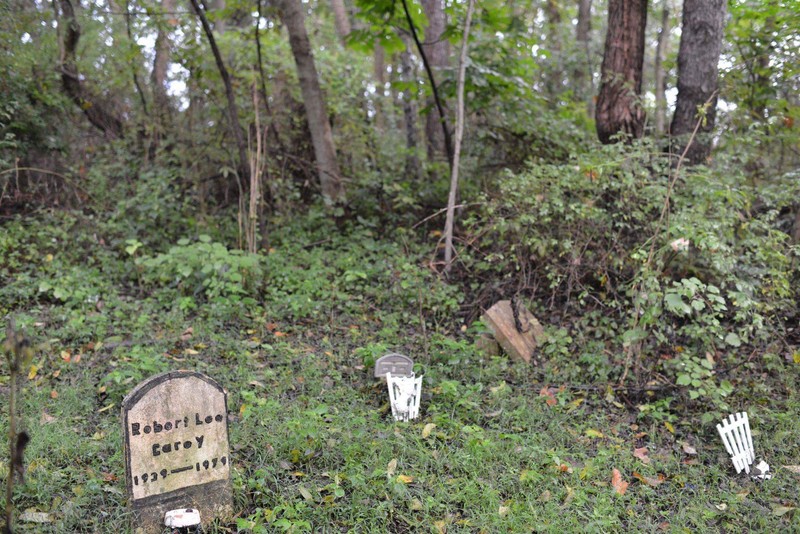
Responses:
[439,212]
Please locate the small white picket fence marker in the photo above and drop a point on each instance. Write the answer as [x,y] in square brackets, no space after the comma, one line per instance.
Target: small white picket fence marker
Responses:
[735,434]
[404,395]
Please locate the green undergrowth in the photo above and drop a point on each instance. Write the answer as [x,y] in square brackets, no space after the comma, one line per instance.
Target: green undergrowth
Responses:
[292,333]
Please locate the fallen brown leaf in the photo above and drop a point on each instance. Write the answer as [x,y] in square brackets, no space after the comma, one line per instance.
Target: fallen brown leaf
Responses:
[641,453]
[650,481]
[619,485]
[550,398]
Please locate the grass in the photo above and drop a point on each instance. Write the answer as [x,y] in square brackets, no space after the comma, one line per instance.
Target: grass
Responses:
[313,441]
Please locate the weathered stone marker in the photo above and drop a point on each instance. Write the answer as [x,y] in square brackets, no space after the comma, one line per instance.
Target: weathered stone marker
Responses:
[515,329]
[395,363]
[177,453]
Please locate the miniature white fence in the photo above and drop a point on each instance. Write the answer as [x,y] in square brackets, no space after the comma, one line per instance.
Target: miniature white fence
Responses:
[735,434]
[404,394]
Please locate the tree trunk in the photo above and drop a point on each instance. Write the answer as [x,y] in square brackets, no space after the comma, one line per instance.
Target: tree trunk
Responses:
[341,19]
[437,51]
[583,71]
[554,72]
[451,199]
[233,111]
[158,77]
[659,74]
[413,166]
[316,112]
[220,22]
[379,72]
[448,144]
[98,112]
[698,56]
[133,52]
[618,108]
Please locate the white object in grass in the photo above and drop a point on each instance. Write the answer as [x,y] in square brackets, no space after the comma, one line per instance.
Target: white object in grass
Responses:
[404,395]
[761,471]
[735,434]
[181,518]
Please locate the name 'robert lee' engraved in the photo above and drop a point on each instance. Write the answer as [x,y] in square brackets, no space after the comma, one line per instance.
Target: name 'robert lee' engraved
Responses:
[173,424]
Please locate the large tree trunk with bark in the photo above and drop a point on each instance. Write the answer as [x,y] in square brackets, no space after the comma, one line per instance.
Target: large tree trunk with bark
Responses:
[437,51]
[698,57]
[618,108]
[313,100]
[96,110]
[659,74]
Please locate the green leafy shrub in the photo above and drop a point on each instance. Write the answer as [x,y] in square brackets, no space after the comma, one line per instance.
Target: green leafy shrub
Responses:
[203,271]
[713,276]
[350,271]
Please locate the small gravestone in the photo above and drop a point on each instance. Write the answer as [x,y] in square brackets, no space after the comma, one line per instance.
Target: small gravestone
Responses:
[177,453]
[395,363]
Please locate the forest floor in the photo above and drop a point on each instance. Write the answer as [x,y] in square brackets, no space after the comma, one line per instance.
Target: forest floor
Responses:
[498,447]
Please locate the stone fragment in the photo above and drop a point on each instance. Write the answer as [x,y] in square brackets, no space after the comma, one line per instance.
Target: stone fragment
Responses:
[515,328]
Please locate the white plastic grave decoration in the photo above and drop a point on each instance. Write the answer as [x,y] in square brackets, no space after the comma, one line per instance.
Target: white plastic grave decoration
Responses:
[182,518]
[404,394]
[735,434]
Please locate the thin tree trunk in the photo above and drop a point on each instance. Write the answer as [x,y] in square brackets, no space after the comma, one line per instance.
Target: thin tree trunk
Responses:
[698,56]
[437,51]
[413,166]
[233,112]
[160,64]
[451,200]
[131,44]
[316,112]
[432,80]
[341,20]
[553,75]
[618,108]
[659,76]
[759,68]
[583,71]
[220,22]
[97,111]
[379,73]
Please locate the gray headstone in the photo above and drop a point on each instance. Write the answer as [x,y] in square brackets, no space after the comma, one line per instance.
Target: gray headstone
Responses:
[395,363]
[177,453]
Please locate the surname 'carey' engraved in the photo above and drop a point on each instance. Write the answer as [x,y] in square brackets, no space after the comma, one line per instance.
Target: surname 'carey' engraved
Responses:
[159,449]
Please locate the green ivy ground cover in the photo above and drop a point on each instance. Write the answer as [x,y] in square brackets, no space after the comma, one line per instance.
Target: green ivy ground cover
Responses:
[292,334]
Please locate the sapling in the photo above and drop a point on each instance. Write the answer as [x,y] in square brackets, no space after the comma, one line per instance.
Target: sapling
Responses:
[19,354]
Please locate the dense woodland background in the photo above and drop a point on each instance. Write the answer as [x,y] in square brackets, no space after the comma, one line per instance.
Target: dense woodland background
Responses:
[297,187]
